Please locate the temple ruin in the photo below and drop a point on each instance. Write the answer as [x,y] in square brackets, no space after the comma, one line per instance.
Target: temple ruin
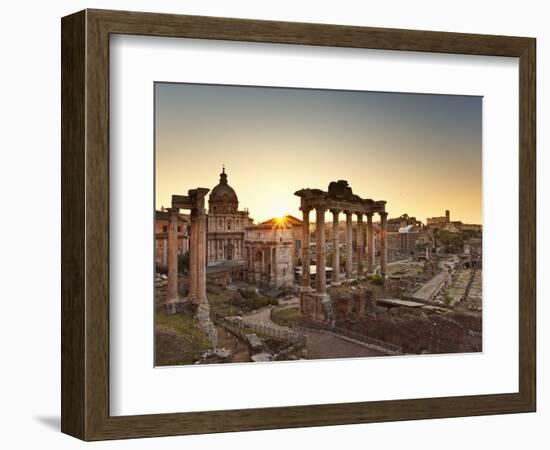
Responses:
[194,201]
[316,303]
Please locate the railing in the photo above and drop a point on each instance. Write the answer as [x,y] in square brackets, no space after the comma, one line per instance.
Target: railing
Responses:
[268,329]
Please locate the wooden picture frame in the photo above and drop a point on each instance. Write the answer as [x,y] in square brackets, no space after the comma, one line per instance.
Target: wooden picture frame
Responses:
[85,224]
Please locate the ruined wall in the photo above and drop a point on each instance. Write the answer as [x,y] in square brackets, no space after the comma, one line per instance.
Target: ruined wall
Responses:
[419,331]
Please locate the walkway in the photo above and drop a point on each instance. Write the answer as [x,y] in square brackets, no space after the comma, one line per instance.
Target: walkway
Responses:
[323,346]
[430,289]
[319,345]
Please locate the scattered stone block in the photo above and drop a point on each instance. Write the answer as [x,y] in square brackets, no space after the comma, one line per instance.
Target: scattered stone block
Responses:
[223,353]
[261,357]
[254,342]
[178,306]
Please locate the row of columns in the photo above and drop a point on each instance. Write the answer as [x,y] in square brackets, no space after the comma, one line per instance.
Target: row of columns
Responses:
[197,253]
[320,278]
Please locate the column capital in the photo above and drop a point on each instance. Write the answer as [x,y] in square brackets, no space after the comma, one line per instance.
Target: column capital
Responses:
[335,211]
[306,209]
[359,216]
[348,213]
[383,214]
[321,208]
[369,214]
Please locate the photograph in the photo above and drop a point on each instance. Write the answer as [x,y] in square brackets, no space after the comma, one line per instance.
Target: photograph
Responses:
[296,224]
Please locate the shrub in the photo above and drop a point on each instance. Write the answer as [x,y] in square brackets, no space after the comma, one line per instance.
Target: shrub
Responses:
[247,293]
[377,280]
[252,300]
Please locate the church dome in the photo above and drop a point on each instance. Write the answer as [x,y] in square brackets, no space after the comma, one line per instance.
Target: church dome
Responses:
[223,197]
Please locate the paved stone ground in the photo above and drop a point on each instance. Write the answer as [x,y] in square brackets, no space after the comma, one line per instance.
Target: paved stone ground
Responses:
[323,346]
[320,345]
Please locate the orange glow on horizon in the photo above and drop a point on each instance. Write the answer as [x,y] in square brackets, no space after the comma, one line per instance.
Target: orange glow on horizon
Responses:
[422,154]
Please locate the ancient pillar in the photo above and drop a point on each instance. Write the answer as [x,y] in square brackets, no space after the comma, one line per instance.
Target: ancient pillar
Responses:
[273,273]
[165,252]
[335,246]
[349,245]
[370,244]
[201,249]
[172,286]
[193,243]
[305,248]
[383,242]
[360,245]
[320,277]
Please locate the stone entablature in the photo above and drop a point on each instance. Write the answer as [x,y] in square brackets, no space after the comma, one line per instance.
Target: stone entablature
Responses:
[339,197]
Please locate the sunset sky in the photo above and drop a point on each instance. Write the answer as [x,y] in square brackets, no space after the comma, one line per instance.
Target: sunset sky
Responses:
[421,153]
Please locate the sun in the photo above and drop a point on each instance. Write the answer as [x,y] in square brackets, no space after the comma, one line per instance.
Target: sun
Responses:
[280,220]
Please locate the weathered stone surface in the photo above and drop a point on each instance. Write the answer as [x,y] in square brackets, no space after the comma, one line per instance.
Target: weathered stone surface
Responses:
[223,353]
[451,332]
[261,357]
[178,307]
[373,309]
[254,342]
[203,316]
[317,306]
[219,355]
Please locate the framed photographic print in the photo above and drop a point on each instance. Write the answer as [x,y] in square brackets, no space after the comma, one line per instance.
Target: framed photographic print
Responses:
[271,225]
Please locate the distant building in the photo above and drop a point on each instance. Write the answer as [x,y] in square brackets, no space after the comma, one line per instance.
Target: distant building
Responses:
[297,234]
[162,221]
[402,221]
[226,224]
[402,244]
[269,253]
[439,222]
[403,233]
[445,223]
[472,227]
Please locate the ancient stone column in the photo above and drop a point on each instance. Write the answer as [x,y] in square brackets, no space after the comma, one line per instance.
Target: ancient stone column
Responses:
[165,252]
[349,245]
[360,245]
[370,244]
[273,273]
[201,248]
[383,242]
[193,243]
[335,246]
[320,277]
[172,287]
[305,248]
